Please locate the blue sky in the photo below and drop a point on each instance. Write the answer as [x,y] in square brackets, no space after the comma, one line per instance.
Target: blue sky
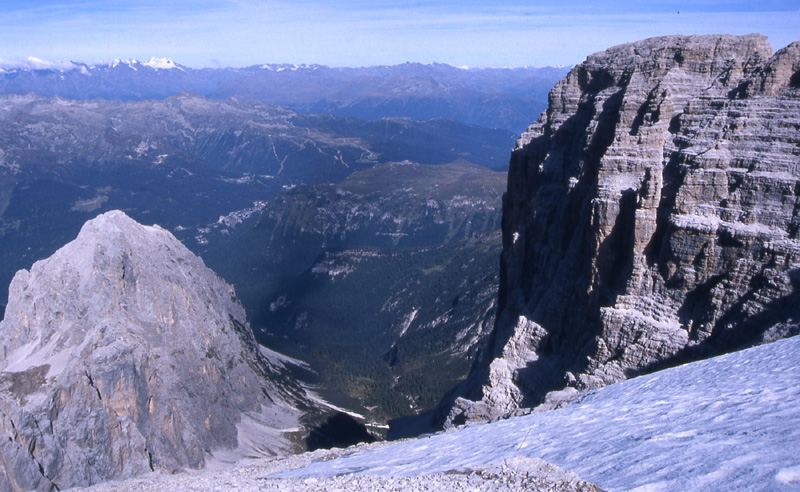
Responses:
[205,33]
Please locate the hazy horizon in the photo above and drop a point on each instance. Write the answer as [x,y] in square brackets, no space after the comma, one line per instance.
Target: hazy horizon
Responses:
[474,33]
[36,63]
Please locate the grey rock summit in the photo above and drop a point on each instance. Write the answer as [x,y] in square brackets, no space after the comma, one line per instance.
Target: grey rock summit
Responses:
[652,217]
[122,353]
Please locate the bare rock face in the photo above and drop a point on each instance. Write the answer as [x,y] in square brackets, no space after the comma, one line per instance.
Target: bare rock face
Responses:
[652,218]
[122,353]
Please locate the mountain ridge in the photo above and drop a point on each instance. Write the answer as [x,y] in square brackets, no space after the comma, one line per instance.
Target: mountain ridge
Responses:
[488,97]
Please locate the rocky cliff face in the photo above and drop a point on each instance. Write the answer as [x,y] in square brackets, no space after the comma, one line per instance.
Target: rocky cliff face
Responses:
[122,353]
[651,218]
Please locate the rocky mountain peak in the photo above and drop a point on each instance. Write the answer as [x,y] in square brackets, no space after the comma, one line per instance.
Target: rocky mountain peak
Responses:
[122,353]
[113,259]
[651,218]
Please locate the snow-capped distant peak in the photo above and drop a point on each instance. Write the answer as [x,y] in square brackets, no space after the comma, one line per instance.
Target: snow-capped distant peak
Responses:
[285,66]
[162,63]
[128,63]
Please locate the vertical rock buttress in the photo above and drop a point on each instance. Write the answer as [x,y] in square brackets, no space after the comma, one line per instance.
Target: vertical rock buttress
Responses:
[651,218]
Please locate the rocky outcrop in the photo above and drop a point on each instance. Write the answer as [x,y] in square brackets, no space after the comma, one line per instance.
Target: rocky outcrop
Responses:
[122,353]
[652,217]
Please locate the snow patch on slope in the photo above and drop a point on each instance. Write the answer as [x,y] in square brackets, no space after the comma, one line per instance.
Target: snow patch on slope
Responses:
[280,359]
[789,475]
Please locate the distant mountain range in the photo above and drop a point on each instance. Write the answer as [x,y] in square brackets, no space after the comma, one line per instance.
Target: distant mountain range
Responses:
[185,161]
[508,98]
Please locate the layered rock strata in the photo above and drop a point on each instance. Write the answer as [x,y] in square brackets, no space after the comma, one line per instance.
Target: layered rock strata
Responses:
[121,354]
[652,217]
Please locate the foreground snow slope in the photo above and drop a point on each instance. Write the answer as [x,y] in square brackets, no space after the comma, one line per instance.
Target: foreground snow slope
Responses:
[727,423]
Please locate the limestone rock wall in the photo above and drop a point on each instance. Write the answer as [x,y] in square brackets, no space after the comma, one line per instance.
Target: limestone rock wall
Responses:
[122,353]
[651,218]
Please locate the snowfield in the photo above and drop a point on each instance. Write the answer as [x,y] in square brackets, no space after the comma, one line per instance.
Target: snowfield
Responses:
[731,423]
[728,423]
